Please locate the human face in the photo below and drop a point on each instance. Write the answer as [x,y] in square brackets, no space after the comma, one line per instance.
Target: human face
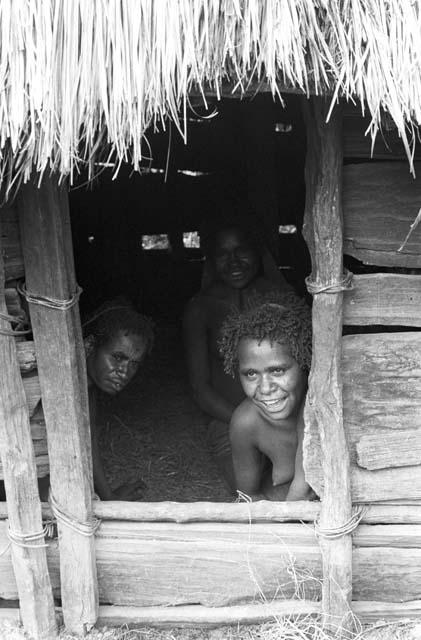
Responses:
[235,260]
[112,365]
[271,378]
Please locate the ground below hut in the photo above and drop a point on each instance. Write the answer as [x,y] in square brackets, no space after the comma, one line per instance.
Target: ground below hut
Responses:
[154,431]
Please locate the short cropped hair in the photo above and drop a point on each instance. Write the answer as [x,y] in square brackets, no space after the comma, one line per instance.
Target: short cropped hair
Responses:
[284,318]
[114,317]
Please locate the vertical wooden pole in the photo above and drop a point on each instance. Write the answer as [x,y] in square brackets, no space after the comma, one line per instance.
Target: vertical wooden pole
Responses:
[49,267]
[20,479]
[323,233]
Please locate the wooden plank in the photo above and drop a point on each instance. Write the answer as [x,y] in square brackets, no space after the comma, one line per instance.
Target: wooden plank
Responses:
[32,388]
[381,201]
[205,617]
[228,565]
[393,512]
[357,139]
[323,409]
[263,510]
[384,299]
[49,267]
[387,535]
[381,391]
[26,356]
[20,481]
[400,448]
[11,245]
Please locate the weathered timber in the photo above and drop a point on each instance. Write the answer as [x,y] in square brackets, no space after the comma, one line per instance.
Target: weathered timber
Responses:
[380,202]
[206,511]
[384,299]
[200,616]
[357,140]
[8,588]
[26,355]
[13,302]
[393,512]
[49,268]
[20,480]
[369,612]
[400,448]
[10,243]
[31,386]
[323,410]
[228,564]
[381,390]
[387,535]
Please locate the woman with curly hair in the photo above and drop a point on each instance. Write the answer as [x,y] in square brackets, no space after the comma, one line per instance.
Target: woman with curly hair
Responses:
[270,347]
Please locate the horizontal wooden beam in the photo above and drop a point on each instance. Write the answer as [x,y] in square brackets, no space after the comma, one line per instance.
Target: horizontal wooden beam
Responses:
[380,201]
[208,617]
[394,512]
[384,299]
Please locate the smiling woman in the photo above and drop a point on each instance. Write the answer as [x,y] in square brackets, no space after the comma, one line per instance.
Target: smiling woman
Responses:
[118,341]
[270,346]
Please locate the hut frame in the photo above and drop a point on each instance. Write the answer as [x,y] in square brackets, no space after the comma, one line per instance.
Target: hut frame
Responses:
[89,572]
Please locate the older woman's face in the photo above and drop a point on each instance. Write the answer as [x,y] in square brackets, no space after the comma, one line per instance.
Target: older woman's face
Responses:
[112,365]
[235,260]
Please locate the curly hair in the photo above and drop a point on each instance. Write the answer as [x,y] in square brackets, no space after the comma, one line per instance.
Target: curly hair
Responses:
[117,316]
[280,317]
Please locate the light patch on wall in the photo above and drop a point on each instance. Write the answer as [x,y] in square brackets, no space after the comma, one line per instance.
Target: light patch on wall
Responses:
[193,174]
[157,242]
[91,239]
[283,127]
[287,229]
[191,240]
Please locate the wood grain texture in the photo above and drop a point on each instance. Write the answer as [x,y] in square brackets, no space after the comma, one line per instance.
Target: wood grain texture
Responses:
[384,299]
[323,409]
[384,449]
[10,243]
[163,564]
[381,201]
[357,139]
[381,392]
[26,356]
[32,389]
[49,268]
[20,481]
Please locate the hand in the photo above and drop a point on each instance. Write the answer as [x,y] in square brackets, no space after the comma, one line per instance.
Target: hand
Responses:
[300,491]
[129,491]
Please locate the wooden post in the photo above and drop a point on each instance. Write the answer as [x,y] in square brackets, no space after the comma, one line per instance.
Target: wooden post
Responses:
[323,233]
[20,479]
[49,267]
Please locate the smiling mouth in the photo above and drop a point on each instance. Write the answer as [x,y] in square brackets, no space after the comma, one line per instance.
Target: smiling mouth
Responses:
[276,404]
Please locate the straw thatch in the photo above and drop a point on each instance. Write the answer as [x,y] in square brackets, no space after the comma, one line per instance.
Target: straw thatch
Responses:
[83,78]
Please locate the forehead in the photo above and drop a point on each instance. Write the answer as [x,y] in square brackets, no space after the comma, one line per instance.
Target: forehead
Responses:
[132,345]
[232,237]
[262,353]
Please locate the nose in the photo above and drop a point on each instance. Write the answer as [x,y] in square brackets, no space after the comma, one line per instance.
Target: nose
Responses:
[123,369]
[265,385]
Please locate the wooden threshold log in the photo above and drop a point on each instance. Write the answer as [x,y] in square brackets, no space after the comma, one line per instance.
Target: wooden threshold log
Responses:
[20,480]
[49,267]
[323,233]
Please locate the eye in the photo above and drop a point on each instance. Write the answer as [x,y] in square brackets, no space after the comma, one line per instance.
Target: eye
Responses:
[118,357]
[250,374]
[278,371]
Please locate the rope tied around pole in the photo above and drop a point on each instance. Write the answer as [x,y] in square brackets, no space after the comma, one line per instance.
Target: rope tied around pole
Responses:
[33,540]
[51,303]
[314,287]
[343,530]
[19,320]
[87,528]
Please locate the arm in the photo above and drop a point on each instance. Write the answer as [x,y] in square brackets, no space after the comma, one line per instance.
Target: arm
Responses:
[197,358]
[299,489]
[100,482]
[247,458]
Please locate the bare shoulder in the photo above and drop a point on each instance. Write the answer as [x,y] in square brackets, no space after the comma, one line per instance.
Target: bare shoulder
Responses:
[245,421]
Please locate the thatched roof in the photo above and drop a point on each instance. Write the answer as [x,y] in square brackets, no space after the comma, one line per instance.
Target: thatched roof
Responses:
[76,74]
